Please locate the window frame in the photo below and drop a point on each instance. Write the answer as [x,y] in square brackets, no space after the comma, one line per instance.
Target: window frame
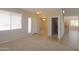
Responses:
[10,19]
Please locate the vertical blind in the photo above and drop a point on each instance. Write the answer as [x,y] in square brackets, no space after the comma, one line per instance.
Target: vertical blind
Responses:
[10,20]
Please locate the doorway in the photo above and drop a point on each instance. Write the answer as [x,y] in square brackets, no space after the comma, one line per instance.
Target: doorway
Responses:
[71,23]
[55,26]
[43,26]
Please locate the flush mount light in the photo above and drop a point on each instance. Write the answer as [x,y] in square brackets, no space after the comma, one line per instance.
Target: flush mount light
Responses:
[37,12]
[43,19]
[63,11]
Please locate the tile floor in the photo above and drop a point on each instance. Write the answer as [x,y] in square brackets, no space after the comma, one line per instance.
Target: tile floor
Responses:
[70,42]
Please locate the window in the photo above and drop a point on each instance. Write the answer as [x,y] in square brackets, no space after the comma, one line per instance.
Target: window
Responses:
[4,20]
[74,22]
[15,21]
[9,20]
[29,24]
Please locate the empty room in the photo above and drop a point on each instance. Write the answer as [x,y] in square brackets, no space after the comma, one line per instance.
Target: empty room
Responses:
[39,29]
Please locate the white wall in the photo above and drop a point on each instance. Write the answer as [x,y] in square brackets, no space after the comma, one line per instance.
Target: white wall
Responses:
[49,27]
[16,34]
[60,26]
[35,25]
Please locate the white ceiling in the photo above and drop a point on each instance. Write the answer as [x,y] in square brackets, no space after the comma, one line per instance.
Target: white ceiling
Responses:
[47,12]
[71,11]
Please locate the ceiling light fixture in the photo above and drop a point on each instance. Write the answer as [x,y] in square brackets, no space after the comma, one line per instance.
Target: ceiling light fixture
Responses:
[37,13]
[63,11]
[43,19]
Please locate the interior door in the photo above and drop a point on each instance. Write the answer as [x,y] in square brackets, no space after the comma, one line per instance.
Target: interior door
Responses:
[55,26]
